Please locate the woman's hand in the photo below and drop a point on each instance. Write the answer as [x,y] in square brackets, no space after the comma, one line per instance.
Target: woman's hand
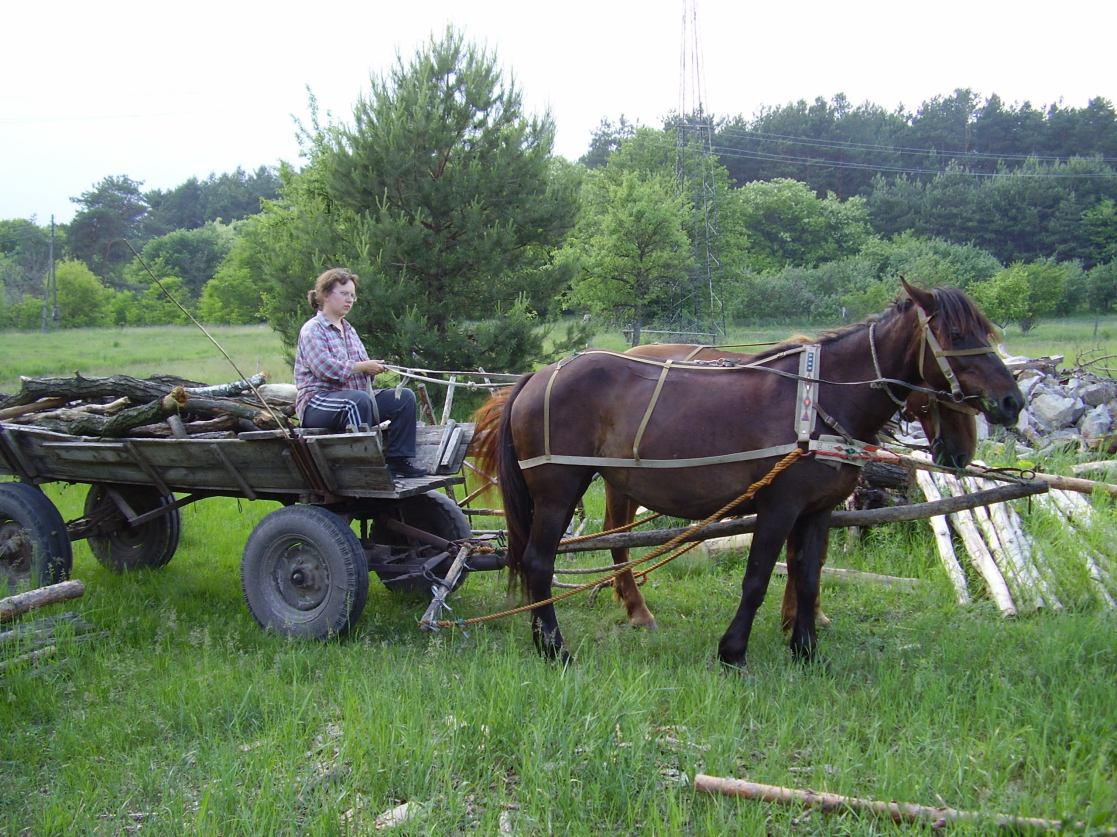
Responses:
[369,367]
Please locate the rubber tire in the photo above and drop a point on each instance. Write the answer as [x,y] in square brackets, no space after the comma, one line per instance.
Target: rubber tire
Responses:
[432,512]
[48,558]
[148,545]
[304,539]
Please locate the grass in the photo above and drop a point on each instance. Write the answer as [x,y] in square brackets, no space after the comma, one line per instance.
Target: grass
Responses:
[186,718]
[139,352]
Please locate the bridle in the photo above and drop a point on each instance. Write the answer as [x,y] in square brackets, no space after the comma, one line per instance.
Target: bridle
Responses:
[941,355]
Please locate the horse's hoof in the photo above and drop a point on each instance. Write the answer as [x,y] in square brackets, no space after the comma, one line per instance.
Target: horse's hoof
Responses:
[648,624]
[821,620]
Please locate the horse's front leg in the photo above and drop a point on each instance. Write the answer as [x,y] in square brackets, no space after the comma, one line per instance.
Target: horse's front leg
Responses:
[790,604]
[772,527]
[620,510]
[808,541]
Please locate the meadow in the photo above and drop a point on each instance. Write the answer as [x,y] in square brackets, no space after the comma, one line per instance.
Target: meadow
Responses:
[182,716]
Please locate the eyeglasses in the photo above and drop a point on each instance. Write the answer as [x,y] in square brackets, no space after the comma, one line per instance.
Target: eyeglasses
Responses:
[346,295]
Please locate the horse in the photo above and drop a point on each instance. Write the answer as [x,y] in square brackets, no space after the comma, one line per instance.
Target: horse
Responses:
[719,429]
[951,430]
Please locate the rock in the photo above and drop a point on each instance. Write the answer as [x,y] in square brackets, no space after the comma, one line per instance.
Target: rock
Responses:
[1096,423]
[1097,392]
[1056,411]
[1060,442]
[1028,383]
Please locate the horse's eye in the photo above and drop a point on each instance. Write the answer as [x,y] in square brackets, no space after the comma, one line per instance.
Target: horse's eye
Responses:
[955,336]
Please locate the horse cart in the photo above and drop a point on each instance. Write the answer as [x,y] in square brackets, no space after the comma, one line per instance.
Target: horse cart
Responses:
[304,569]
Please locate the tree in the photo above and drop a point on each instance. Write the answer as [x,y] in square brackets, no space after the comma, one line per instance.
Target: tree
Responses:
[232,296]
[443,196]
[632,247]
[111,214]
[24,258]
[1100,225]
[82,299]
[789,226]
[1022,293]
[606,139]
[192,255]
[1101,288]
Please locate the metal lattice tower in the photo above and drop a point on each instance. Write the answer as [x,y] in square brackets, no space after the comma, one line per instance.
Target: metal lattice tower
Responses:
[701,308]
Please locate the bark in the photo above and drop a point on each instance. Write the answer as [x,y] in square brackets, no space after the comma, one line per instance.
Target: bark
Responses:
[91,424]
[19,604]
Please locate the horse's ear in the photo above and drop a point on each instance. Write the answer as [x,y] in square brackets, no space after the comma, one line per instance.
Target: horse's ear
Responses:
[924,299]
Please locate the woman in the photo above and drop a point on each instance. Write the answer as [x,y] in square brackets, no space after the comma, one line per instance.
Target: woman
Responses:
[334,374]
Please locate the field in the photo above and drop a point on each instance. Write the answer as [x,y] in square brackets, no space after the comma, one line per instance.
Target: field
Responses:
[183,717]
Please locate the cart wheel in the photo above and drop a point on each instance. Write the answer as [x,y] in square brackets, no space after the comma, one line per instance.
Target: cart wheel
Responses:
[304,573]
[435,513]
[34,545]
[121,547]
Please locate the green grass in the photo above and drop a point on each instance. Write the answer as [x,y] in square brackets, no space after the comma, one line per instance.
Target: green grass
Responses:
[186,718]
[139,352]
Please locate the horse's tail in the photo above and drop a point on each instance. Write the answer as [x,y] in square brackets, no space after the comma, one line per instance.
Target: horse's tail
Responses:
[484,449]
[518,506]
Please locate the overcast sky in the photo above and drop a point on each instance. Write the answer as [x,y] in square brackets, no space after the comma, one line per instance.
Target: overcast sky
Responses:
[161,92]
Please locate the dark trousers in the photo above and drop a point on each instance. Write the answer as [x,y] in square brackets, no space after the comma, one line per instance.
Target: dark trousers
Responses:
[337,410]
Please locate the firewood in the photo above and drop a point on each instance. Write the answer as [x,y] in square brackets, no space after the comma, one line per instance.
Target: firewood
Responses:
[90,424]
[897,811]
[229,389]
[945,545]
[19,604]
[27,409]
[979,553]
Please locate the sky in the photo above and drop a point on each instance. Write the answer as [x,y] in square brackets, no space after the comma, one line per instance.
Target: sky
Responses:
[162,92]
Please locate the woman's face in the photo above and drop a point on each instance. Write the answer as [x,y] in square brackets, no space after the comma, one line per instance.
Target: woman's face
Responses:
[340,299]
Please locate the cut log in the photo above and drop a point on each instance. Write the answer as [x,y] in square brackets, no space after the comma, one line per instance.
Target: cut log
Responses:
[19,604]
[980,556]
[839,519]
[193,428]
[897,811]
[41,405]
[79,388]
[1082,486]
[943,541]
[90,424]
[233,388]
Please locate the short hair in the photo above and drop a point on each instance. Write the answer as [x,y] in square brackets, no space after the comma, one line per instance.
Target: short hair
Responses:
[327,281]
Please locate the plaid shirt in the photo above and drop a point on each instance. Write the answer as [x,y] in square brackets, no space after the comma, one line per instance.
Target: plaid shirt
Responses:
[324,360]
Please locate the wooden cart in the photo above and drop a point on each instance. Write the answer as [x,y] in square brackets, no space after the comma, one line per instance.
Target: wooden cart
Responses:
[304,570]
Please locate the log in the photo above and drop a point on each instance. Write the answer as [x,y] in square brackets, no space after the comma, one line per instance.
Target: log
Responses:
[1109,466]
[9,413]
[233,388]
[897,811]
[259,417]
[19,604]
[979,553]
[1082,486]
[945,545]
[79,388]
[1017,548]
[193,428]
[76,413]
[1001,546]
[839,519]
[89,424]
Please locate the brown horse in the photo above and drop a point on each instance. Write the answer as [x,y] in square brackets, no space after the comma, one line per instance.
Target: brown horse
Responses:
[716,430]
[950,429]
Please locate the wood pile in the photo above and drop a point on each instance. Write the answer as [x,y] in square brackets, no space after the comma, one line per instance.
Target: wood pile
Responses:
[35,641]
[1015,571]
[156,407]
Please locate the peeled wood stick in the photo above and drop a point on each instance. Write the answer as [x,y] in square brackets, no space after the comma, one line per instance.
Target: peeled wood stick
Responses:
[15,606]
[28,409]
[1077,484]
[1003,548]
[942,539]
[1065,506]
[975,546]
[898,811]
[30,657]
[1011,529]
[1107,465]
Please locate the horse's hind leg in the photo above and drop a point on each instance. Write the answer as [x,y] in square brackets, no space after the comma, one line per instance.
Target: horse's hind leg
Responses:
[808,541]
[790,604]
[551,517]
[620,510]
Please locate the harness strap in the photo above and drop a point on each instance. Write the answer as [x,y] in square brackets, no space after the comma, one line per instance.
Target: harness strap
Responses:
[648,412]
[806,395]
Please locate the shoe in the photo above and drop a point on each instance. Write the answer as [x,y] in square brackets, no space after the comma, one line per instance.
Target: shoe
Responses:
[405,469]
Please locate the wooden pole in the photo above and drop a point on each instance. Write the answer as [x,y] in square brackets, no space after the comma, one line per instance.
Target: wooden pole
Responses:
[868,517]
[897,811]
[941,530]
[19,604]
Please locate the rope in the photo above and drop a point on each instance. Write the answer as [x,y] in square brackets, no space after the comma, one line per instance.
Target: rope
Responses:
[766,480]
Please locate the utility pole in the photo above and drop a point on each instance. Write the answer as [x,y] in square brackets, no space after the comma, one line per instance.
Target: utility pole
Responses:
[50,293]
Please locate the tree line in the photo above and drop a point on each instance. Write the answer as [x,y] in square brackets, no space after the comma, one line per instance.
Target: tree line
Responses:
[469,233]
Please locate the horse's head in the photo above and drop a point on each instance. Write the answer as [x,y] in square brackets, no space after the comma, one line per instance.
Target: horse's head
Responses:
[950,428]
[957,354]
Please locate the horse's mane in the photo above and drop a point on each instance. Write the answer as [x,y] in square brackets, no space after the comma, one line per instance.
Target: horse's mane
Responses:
[957,312]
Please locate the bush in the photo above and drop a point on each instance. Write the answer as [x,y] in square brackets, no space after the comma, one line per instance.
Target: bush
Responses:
[82,299]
